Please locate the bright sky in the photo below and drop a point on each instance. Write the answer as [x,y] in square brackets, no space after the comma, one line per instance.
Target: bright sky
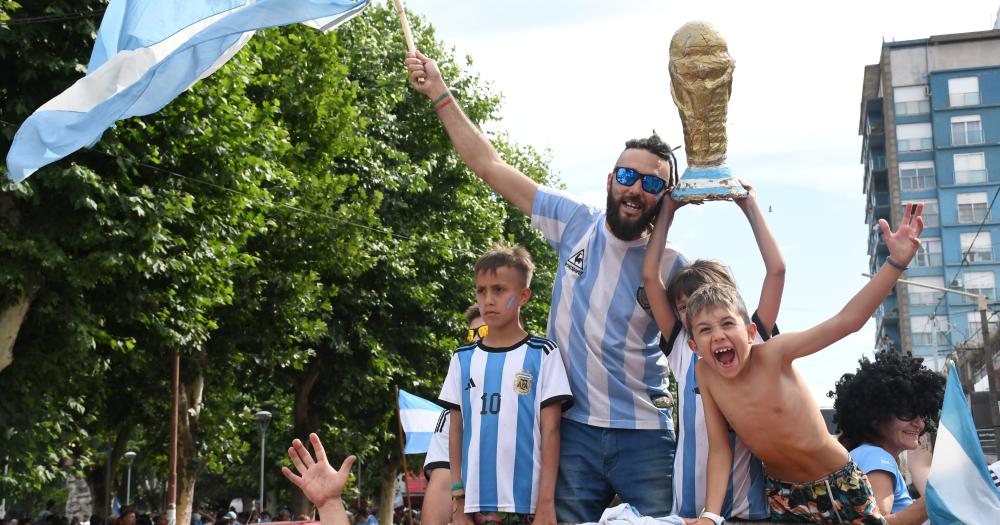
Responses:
[580,77]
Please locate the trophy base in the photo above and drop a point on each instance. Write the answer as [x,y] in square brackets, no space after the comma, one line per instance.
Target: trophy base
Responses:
[707,184]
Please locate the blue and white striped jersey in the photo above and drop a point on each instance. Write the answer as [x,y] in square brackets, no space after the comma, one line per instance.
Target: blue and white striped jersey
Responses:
[745,497]
[500,392]
[600,317]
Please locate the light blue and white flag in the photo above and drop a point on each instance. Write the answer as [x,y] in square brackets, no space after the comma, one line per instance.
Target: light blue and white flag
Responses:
[959,488]
[419,417]
[147,52]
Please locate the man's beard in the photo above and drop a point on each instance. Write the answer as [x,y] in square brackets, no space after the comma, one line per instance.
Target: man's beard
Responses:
[629,230]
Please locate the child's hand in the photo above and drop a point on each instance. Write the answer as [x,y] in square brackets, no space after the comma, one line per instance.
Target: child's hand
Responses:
[904,242]
[545,515]
[459,517]
[750,198]
[319,482]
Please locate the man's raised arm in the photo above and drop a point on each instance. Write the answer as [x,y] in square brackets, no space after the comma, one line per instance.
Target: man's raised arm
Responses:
[475,150]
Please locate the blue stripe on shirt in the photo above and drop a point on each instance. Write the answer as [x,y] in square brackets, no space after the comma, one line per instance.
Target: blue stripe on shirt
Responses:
[465,361]
[488,429]
[690,441]
[524,461]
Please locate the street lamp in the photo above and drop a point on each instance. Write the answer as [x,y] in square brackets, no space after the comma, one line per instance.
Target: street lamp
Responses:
[128,479]
[263,419]
[982,306]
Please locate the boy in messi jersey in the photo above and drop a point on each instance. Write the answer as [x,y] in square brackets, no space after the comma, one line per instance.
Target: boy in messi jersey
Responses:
[506,393]
[745,493]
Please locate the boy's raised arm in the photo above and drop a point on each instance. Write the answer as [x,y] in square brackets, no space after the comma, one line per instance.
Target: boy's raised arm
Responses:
[774,264]
[656,292]
[472,145]
[903,245]
[720,456]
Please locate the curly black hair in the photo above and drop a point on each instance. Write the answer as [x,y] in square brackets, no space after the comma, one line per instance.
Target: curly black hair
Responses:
[655,145]
[893,384]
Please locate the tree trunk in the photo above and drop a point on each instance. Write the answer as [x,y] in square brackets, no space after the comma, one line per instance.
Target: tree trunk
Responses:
[10,323]
[99,481]
[387,492]
[189,408]
[304,424]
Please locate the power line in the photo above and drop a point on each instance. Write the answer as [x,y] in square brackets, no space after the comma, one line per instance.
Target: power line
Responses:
[44,19]
[247,195]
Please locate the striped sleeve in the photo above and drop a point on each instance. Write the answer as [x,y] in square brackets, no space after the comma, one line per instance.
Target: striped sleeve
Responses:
[553,382]
[551,212]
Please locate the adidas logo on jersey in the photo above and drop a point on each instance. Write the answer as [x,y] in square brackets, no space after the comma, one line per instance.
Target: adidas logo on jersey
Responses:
[470,385]
[575,263]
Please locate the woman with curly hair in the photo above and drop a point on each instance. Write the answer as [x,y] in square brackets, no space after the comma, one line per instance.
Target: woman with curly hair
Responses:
[881,410]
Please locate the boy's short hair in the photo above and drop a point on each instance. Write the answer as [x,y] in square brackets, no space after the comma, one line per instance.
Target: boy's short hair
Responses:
[471,313]
[715,295]
[690,278]
[515,257]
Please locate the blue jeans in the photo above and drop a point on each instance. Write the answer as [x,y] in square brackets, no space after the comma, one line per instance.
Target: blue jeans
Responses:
[596,463]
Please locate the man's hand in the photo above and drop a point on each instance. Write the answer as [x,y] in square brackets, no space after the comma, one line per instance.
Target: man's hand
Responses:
[904,242]
[318,481]
[418,67]
[459,517]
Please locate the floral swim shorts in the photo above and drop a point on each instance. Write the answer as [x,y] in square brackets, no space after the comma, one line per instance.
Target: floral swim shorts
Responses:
[502,518]
[842,497]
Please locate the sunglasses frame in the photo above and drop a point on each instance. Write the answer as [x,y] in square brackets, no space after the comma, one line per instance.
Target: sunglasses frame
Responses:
[623,174]
[481,330]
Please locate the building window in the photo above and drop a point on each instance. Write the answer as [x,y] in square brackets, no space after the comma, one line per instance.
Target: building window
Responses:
[977,248]
[923,330]
[925,296]
[976,326]
[931,214]
[972,207]
[916,176]
[914,137]
[911,100]
[982,283]
[970,168]
[963,91]
[929,253]
[966,129]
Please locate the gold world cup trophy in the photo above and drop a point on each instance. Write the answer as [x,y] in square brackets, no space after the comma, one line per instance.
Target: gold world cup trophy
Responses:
[701,81]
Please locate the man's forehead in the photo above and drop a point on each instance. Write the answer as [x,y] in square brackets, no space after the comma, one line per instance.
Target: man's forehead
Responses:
[642,160]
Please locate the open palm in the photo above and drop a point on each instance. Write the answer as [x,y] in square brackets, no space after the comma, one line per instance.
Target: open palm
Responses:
[904,242]
[317,479]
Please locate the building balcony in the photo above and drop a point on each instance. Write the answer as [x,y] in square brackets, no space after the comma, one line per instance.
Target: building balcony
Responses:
[979,255]
[972,176]
[926,260]
[969,137]
[990,293]
[877,163]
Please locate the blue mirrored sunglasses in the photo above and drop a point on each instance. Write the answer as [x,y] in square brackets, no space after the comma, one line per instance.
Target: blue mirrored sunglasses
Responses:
[650,183]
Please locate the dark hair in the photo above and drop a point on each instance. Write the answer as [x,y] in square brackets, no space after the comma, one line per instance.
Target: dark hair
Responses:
[655,145]
[893,384]
[690,278]
[517,258]
[471,313]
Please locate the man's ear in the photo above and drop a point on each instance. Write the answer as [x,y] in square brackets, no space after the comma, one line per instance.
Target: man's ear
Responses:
[610,174]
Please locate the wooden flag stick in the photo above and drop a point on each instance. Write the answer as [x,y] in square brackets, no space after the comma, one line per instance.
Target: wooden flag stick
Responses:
[402,450]
[407,35]
[406,26]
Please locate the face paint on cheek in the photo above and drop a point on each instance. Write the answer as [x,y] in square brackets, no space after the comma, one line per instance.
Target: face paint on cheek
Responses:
[511,303]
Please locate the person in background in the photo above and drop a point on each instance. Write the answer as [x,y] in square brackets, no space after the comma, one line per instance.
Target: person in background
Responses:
[881,410]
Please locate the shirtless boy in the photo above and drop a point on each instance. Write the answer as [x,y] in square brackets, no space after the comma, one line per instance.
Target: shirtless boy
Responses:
[754,390]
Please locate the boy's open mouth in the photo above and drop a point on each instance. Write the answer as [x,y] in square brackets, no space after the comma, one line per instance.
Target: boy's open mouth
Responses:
[725,356]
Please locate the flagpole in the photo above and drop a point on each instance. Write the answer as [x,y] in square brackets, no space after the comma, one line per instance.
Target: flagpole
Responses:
[408,37]
[406,27]
[402,450]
